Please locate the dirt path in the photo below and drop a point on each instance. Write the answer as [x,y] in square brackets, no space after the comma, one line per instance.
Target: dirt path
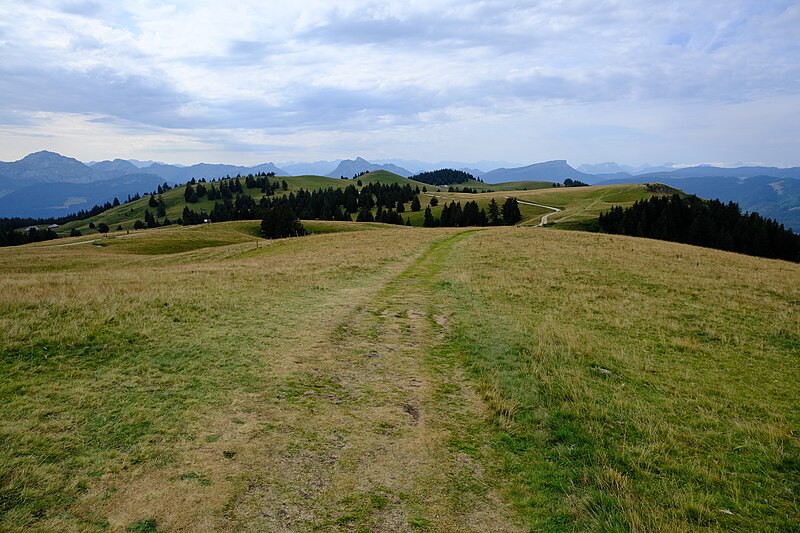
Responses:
[541,222]
[70,244]
[360,441]
[545,216]
[352,428]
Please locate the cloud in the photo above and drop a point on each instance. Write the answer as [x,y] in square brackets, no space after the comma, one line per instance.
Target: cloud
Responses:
[84,9]
[261,76]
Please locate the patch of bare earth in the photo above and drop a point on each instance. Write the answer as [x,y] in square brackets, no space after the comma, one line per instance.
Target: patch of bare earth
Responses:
[349,433]
[366,445]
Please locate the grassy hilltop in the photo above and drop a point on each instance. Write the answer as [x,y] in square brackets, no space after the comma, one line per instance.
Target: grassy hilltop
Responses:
[374,377]
[584,204]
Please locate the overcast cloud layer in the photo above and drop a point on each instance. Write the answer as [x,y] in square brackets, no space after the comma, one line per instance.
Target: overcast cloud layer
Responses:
[586,81]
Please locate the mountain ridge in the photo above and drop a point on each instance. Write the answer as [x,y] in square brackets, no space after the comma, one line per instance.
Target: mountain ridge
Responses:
[350,167]
[556,170]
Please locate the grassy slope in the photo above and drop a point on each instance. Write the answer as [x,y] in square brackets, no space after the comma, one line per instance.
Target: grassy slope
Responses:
[126,214]
[396,378]
[509,186]
[582,205]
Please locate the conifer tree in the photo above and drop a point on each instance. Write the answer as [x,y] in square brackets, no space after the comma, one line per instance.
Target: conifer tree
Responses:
[365,215]
[190,195]
[494,213]
[511,213]
[279,222]
[429,221]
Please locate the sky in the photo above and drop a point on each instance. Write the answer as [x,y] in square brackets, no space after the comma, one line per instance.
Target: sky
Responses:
[520,81]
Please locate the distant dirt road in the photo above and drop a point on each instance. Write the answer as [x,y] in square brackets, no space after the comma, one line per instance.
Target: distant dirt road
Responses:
[544,217]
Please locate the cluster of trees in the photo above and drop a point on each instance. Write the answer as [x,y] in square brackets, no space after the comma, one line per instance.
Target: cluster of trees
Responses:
[323,204]
[712,224]
[280,222]
[464,189]
[151,221]
[571,183]
[445,176]
[453,215]
[10,236]
[195,190]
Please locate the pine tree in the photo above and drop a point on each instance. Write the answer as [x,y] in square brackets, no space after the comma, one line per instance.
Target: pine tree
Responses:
[494,213]
[149,220]
[415,205]
[189,194]
[365,215]
[279,222]
[429,221]
[511,213]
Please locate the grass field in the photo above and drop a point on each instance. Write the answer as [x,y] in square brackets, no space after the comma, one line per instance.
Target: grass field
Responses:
[370,377]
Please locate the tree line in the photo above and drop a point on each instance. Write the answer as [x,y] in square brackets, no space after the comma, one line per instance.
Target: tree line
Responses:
[708,223]
[444,176]
[320,204]
[13,237]
[453,215]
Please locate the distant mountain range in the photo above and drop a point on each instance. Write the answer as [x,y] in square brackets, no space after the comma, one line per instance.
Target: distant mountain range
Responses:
[317,168]
[615,168]
[46,200]
[350,167]
[557,170]
[45,184]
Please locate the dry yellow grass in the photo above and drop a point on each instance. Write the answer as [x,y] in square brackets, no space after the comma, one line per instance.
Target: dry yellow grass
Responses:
[200,379]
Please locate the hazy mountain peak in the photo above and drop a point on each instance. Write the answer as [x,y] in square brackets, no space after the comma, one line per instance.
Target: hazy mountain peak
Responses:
[46,157]
[350,167]
[556,170]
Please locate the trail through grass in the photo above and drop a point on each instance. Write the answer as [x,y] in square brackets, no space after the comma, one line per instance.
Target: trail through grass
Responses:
[393,378]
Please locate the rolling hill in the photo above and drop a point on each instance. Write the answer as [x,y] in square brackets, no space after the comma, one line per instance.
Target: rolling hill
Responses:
[108,178]
[772,197]
[395,378]
[769,191]
[581,206]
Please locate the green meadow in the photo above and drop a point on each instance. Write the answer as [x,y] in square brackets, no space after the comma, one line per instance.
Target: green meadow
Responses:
[386,378]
